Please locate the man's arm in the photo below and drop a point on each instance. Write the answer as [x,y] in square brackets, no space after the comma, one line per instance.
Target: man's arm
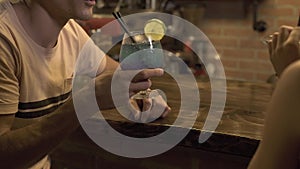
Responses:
[23,147]
[111,65]
[103,81]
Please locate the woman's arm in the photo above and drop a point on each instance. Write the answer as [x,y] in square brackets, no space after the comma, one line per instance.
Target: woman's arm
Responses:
[280,145]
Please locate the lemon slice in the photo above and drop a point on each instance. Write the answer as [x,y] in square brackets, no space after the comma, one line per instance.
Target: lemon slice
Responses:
[155,29]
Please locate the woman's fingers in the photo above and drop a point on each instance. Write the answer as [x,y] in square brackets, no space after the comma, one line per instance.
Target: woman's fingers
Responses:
[274,42]
[284,48]
[283,35]
[294,36]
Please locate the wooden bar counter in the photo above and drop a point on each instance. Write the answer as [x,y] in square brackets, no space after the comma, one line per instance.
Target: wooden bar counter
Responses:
[231,145]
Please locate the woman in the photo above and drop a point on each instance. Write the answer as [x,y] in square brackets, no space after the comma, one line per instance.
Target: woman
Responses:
[280,145]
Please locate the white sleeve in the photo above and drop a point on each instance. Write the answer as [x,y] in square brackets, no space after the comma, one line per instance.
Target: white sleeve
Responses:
[91,60]
[9,88]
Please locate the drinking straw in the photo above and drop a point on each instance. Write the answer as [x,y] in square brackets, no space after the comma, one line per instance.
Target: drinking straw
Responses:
[118,16]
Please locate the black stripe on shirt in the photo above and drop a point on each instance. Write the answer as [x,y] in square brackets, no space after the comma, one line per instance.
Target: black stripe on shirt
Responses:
[43,103]
[35,114]
[40,104]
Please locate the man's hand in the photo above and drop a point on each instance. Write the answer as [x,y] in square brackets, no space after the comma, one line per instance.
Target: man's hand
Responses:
[284,47]
[142,80]
[124,84]
[150,109]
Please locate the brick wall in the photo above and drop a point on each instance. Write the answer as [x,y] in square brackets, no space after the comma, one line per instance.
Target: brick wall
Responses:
[242,53]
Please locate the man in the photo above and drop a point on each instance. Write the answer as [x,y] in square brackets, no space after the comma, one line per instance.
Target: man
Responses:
[39,46]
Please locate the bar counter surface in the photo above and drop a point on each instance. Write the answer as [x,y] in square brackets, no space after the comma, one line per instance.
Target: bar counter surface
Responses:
[231,145]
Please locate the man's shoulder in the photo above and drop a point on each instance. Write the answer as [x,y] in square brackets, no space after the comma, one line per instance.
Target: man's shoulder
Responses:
[73,31]
[73,27]
[3,6]
[6,27]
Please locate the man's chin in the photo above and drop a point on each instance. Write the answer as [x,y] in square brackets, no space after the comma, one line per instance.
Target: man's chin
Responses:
[86,16]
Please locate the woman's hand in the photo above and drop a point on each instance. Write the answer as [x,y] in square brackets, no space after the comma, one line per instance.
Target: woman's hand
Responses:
[284,47]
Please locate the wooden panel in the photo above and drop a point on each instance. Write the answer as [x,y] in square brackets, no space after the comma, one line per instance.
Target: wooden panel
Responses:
[230,146]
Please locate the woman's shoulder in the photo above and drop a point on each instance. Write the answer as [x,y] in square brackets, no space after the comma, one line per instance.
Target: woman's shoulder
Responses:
[289,81]
[292,71]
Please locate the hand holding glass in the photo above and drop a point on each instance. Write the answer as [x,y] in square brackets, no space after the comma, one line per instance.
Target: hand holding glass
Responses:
[142,53]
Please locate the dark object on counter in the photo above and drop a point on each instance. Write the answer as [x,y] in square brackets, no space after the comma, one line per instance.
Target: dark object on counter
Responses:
[298,24]
[259,26]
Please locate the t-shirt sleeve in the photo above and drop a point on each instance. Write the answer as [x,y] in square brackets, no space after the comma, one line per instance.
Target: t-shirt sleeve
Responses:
[91,59]
[9,84]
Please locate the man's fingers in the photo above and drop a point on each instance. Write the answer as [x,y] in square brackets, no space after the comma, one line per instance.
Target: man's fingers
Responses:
[135,110]
[135,87]
[147,103]
[148,73]
[165,104]
[138,80]
[166,112]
